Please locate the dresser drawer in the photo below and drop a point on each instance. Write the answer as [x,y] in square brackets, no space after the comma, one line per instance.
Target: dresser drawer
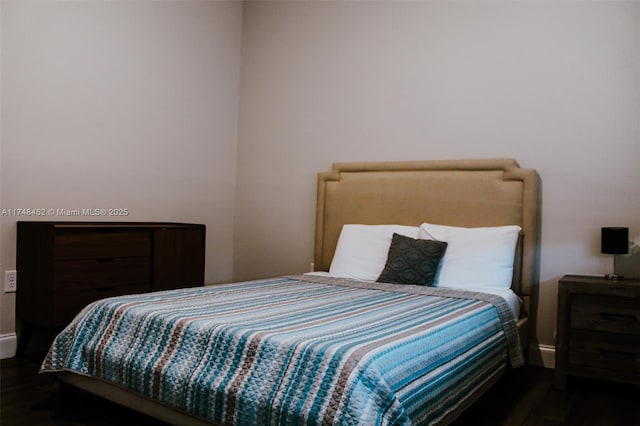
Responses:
[96,244]
[605,313]
[102,272]
[67,304]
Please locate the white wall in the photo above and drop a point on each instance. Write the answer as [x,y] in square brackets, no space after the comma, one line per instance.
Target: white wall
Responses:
[121,104]
[555,85]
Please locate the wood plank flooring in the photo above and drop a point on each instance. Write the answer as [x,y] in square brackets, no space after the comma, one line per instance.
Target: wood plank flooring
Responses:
[524,397]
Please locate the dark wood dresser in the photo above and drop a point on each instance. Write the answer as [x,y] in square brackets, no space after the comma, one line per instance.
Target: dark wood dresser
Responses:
[63,266]
[598,329]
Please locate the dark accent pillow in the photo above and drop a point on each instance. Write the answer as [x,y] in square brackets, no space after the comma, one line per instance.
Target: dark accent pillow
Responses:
[412,261]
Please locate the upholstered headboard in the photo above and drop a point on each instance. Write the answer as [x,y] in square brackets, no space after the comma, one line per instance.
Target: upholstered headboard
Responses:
[468,193]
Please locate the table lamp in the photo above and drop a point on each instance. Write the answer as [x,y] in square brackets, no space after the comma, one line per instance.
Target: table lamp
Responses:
[614,240]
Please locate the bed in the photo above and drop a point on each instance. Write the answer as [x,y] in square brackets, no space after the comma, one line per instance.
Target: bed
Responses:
[335,346]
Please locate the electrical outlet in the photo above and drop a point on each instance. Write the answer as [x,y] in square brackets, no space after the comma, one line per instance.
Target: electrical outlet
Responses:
[10,281]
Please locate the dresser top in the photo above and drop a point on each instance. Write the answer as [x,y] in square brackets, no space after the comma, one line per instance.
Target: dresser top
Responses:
[103,225]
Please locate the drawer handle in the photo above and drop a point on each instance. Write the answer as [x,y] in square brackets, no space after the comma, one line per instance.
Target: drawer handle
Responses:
[618,355]
[105,259]
[618,317]
[103,289]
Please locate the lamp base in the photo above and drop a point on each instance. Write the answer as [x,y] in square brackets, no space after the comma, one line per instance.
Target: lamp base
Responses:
[614,277]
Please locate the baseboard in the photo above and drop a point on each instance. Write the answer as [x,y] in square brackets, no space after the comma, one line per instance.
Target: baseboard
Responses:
[8,345]
[542,356]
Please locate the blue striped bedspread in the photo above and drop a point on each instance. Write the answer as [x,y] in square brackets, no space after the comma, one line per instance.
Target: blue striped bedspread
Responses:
[297,350]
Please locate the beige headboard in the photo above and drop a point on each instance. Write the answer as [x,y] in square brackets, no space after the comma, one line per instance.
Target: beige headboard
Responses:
[467,193]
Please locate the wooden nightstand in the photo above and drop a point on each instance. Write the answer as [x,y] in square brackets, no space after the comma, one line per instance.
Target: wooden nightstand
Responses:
[598,329]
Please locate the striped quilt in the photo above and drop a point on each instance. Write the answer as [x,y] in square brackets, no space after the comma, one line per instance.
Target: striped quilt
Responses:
[298,350]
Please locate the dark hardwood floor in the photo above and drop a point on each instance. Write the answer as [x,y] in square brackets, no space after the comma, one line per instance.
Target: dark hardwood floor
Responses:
[524,397]
[27,399]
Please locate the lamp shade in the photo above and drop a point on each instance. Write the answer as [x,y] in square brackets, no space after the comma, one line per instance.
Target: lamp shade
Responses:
[614,240]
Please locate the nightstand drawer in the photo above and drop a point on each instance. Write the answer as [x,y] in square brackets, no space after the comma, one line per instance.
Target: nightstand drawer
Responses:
[101,272]
[605,313]
[604,350]
[68,303]
[96,244]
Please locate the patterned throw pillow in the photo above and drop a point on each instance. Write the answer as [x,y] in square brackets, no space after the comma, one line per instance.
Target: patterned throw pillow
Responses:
[412,261]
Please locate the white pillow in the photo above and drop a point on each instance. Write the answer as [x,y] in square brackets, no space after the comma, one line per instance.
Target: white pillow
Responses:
[476,258]
[362,250]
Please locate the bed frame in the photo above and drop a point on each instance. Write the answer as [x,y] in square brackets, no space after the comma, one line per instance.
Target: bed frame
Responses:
[468,193]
